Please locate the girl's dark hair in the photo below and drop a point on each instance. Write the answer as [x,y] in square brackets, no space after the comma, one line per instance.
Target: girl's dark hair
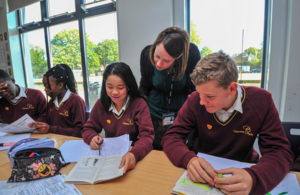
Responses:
[123,71]
[176,42]
[62,73]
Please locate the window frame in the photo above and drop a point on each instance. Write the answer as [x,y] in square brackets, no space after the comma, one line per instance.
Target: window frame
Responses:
[78,15]
[265,38]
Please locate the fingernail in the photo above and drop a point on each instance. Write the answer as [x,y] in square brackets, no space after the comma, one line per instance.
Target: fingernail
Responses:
[217,185]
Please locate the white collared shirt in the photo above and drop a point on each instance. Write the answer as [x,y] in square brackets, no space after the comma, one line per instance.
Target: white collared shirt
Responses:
[67,94]
[223,115]
[114,110]
[21,94]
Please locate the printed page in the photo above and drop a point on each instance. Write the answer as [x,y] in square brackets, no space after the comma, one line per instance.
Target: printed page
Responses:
[289,184]
[85,170]
[19,126]
[52,185]
[110,169]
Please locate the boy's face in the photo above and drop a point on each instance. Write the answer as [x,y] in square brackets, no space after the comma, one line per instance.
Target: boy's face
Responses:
[10,89]
[215,98]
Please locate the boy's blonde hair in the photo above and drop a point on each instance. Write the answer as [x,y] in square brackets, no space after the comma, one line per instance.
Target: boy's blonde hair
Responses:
[217,66]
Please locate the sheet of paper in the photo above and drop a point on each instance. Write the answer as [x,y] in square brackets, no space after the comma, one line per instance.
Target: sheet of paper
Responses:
[52,185]
[289,184]
[73,150]
[12,138]
[19,126]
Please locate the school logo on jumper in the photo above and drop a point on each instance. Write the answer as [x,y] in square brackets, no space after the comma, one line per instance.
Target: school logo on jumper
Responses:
[129,122]
[6,108]
[29,106]
[247,130]
[65,113]
[108,121]
[209,126]
[50,109]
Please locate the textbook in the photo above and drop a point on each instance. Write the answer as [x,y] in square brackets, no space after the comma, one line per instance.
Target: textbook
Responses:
[188,187]
[95,169]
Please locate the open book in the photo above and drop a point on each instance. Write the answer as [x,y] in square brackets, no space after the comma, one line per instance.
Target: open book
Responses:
[95,169]
[187,186]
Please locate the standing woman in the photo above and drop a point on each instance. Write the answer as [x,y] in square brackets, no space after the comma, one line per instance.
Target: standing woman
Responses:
[65,110]
[165,68]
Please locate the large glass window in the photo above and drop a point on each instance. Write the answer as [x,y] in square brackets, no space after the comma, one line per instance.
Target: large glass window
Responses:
[31,13]
[65,46]
[35,58]
[56,7]
[102,49]
[236,27]
[96,4]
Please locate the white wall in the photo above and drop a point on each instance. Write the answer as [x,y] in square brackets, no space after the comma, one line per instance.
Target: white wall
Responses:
[284,79]
[139,23]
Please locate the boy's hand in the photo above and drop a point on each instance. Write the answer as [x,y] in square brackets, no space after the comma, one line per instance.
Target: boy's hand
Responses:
[40,127]
[239,183]
[3,87]
[201,171]
[94,145]
[128,161]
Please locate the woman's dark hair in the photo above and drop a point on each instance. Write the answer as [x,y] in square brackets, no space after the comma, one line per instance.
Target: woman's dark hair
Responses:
[62,74]
[123,71]
[176,42]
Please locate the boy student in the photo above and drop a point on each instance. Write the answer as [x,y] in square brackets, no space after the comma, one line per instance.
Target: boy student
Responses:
[17,101]
[228,118]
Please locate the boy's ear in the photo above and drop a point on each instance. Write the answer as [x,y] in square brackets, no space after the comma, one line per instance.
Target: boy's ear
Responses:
[233,87]
[13,80]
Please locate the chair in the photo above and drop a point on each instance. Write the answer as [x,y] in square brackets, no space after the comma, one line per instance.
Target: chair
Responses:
[293,139]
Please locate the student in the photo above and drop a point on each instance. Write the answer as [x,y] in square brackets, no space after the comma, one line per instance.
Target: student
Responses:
[17,101]
[165,68]
[121,110]
[228,118]
[66,109]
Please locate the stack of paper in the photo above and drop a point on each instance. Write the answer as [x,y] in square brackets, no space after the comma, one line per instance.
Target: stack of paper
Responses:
[73,150]
[186,186]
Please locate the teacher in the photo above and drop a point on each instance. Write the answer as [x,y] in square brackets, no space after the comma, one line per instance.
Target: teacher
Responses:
[165,68]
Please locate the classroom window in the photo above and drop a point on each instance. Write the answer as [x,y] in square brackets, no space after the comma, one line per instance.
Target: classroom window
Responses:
[56,7]
[237,28]
[65,47]
[102,49]
[31,13]
[95,4]
[35,58]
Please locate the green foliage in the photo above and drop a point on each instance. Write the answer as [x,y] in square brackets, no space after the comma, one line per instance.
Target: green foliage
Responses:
[205,51]
[194,36]
[256,61]
[38,61]
[66,50]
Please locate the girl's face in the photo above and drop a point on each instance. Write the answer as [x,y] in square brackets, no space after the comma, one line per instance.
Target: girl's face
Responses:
[161,57]
[56,89]
[116,90]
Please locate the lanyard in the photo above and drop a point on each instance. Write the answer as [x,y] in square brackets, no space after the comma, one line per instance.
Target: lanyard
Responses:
[171,89]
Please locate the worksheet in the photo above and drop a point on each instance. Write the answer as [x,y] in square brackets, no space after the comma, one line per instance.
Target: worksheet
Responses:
[19,126]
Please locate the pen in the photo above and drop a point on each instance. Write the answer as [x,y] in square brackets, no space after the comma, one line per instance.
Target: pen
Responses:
[7,144]
[283,193]
[99,148]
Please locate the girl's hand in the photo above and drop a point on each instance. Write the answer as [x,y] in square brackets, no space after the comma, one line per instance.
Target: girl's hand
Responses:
[94,145]
[128,161]
[40,127]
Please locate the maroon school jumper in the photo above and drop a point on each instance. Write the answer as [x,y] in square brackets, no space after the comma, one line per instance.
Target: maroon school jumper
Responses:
[135,121]
[69,118]
[34,105]
[235,137]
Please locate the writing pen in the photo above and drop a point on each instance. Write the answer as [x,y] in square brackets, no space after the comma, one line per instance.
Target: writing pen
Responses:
[7,144]
[99,147]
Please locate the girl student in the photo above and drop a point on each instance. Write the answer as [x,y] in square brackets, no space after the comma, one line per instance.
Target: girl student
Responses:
[65,110]
[165,68]
[121,110]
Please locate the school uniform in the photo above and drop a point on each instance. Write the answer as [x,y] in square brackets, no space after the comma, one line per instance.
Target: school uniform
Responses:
[29,101]
[234,137]
[134,119]
[68,116]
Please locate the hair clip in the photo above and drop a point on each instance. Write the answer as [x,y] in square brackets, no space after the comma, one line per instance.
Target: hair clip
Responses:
[61,77]
[53,70]
[179,56]
[66,76]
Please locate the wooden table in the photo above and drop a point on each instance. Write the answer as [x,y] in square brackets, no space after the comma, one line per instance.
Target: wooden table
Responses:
[155,174]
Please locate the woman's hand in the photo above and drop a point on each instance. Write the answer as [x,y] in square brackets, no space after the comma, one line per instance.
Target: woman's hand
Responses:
[40,127]
[128,162]
[94,145]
